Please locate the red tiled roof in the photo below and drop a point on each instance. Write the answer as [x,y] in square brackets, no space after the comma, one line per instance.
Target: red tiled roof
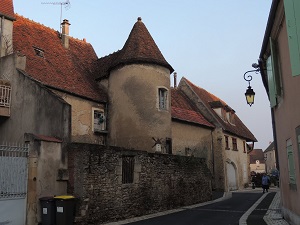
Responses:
[256,154]
[139,48]
[70,70]
[7,9]
[238,128]
[182,109]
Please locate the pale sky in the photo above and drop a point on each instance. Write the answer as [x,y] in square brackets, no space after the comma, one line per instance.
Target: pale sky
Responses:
[212,43]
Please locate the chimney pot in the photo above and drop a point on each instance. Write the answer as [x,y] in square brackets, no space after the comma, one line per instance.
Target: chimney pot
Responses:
[65,33]
[175,79]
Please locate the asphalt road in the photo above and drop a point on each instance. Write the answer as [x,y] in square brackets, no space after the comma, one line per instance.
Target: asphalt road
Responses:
[227,212]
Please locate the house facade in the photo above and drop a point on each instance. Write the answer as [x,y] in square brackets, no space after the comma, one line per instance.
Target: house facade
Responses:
[270,158]
[229,138]
[257,161]
[280,70]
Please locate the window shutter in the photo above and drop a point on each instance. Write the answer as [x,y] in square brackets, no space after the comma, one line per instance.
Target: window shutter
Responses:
[291,163]
[271,82]
[292,14]
[275,67]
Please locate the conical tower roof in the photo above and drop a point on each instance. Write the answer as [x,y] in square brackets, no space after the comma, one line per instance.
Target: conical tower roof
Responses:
[7,9]
[141,48]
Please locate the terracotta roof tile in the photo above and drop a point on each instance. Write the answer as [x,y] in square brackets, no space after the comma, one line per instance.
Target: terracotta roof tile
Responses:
[211,101]
[70,69]
[183,109]
[7,9]
[139,48]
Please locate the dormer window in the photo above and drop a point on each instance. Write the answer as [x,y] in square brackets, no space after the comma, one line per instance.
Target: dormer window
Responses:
[39,52]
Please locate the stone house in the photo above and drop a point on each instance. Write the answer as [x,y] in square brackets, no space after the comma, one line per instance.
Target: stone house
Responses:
[270,158]
[229,138]
[257,161]
[279,62]
[63,98]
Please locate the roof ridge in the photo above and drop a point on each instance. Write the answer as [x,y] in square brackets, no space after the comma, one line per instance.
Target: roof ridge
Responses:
[50,28]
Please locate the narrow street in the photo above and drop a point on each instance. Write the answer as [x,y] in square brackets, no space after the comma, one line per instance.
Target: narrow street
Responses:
[227,212]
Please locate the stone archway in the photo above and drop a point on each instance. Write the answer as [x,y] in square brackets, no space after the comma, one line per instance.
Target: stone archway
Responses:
[231,175]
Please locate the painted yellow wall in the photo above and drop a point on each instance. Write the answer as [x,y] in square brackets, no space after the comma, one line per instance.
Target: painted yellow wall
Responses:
[196,138]
[239,159]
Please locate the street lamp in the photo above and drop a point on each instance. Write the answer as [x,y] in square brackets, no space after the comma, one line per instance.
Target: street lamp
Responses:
[249,92]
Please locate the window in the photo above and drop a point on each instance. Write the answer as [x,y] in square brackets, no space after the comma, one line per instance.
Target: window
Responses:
[168,145]
[188,151]
[99,120]
[226,143]
[39,52]
[234,144]
[291,163]
[244,146]
[127,169]
[163,98]
[292,8]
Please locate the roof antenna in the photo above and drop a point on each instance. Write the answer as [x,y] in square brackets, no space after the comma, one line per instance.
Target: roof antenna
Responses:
[67,5]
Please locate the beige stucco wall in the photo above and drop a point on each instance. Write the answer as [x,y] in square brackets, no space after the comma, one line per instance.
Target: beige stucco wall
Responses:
[270,160]
[134,117]
[287,119]
[45,160]
[82,119]
[238,159]
[197,139]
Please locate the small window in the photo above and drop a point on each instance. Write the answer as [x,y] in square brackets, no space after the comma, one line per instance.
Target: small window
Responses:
[127,169]
[168,145]
[244,146]
[99,120]
[163,98]
[234,144]
[188,152]
[226,143]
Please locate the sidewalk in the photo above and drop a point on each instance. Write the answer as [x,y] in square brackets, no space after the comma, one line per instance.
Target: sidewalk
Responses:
[266,211]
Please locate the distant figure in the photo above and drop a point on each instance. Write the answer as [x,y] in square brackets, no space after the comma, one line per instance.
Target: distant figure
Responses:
[265,181]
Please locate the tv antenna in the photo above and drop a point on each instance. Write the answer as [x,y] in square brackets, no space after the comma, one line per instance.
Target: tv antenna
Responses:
[67,5]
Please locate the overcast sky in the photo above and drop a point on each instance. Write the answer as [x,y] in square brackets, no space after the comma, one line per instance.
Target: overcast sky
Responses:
[212,43]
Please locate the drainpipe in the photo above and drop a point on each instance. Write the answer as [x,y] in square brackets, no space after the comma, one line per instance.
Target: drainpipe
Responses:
[1,38]
[212,154]
[175,79]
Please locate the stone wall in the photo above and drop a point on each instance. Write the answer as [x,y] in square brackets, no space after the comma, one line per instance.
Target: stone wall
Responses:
[161,182]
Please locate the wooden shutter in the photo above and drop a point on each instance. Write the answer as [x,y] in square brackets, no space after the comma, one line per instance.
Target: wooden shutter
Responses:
[271,82]
[292,14]
[275,67]
[291,162]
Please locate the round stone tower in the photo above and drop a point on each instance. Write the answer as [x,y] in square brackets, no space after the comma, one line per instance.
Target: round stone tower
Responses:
[139,94]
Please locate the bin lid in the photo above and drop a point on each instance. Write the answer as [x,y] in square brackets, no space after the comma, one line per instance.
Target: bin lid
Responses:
[47,198]
[64,197]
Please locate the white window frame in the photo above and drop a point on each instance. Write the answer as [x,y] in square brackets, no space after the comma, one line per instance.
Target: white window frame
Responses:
[163,98]
[96,125]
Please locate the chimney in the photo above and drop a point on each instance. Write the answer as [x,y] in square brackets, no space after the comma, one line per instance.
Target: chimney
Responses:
[65,33]
[175,79]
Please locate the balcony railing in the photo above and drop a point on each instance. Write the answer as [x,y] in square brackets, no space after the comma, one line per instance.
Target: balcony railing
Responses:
[5,98]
